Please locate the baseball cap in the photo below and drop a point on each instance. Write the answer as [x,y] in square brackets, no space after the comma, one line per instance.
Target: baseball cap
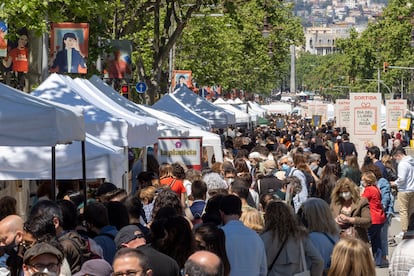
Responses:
[338,137]
[40,249]
[98,267]
[105,188]
[127,234]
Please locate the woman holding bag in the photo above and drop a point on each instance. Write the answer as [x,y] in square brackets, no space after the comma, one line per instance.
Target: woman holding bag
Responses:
[289,250]
[350,210]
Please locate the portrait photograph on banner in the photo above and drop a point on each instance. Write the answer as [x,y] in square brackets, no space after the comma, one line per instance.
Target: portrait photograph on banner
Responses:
[69,47]
[117,59]
[182,78]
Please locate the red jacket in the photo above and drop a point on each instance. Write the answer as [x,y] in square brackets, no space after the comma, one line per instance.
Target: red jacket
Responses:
[373,194]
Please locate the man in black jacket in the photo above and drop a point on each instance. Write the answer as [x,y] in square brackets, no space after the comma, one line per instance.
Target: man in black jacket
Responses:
[346,147]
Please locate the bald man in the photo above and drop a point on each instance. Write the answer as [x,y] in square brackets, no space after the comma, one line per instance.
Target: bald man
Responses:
[11,235]
[203,263]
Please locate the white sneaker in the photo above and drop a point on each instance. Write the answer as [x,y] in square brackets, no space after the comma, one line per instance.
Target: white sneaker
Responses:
[399,236]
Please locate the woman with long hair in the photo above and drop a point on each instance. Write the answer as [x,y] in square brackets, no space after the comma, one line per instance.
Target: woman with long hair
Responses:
[373,194]
[351,169]
[350,210]
[323,231]
[283,238]
[351,257]
[172,235]
[168,179]
[327,182]
[209,236]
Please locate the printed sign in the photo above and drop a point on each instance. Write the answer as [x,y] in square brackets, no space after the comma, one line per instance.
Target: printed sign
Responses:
[186,150]
[365,117]
[395,109]
[342,113]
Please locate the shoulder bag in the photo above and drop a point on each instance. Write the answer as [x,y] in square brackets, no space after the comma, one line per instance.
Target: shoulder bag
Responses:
[303,265]
[277,255]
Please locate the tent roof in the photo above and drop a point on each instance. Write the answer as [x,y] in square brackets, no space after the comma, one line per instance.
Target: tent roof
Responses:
[142,131]
[29,121]
[165,128]
[170,104]
[220,117]
[241,116]
[98,123]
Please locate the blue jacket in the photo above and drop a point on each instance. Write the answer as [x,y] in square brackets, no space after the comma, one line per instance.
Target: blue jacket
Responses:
[387,198]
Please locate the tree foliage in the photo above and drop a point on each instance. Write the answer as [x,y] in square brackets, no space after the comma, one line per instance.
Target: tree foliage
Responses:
[363,54]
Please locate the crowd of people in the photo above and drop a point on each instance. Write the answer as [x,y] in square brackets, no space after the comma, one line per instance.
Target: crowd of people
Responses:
[290,201]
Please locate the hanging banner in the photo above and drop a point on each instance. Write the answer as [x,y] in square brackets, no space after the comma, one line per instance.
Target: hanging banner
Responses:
[117,59]
[342,113]
[394,110]
[186,150]
[69,47]
[181,78]
[365,121]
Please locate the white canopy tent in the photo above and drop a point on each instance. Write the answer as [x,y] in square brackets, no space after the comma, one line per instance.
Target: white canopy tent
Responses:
[257,108]
[98,122]
[166,129]
[28,121]
[241,117]
[141,131]
[219,117]
[102,161]
[210,140]
[278,108]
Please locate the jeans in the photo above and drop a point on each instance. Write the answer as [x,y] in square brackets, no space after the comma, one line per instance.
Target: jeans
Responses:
[384,235]
[374,234]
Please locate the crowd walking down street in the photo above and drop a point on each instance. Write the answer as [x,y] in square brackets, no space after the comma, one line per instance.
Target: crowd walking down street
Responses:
[284,201]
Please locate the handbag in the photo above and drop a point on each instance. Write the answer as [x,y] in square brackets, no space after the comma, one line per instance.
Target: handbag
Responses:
[303,265]
[349,232]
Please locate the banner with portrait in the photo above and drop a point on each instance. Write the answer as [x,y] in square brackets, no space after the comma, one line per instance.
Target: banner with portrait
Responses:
[69,47]
[117,62]
[180,78]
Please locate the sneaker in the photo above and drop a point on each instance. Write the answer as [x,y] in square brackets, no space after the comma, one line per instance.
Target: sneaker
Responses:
[384,264]
[399,235]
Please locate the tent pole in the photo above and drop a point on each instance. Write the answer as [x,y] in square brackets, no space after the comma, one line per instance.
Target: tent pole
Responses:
[85,198]
[53,184]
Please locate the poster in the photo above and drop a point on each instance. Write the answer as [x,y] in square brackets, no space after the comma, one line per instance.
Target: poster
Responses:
[187,150]
[318,108]
[365,109]
[3,40]
[404,123]
[316,120]
[181,78]
[117,59]
[342,113]
[395,109]
[69,47]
